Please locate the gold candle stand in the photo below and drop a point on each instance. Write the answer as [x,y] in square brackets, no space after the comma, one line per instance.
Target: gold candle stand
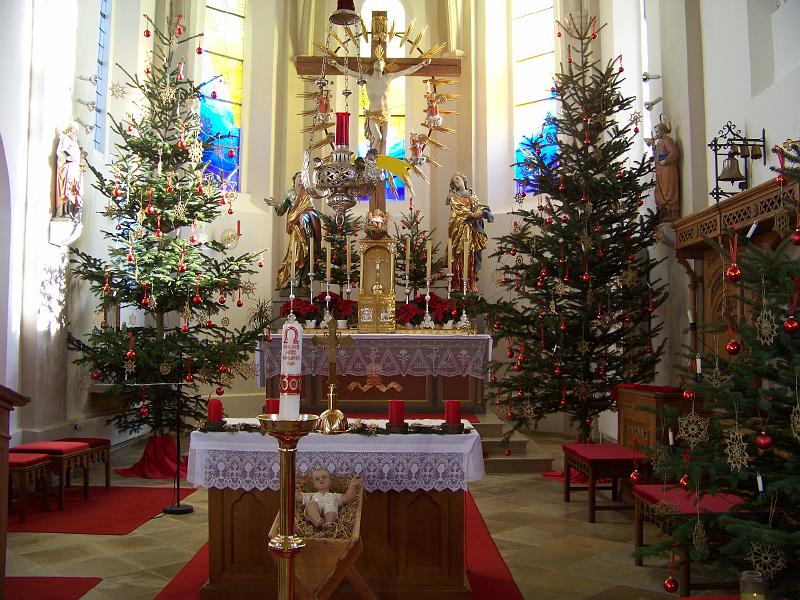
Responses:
[286,544]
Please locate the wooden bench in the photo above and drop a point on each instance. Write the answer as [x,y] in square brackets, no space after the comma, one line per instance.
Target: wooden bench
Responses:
[602,461]
[100,451]
[25,468]
[677,501]
[64,456]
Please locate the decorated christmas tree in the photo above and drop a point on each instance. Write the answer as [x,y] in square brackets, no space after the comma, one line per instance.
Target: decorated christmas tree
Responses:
[578,306]
[410,236]
[159,261]
[744,437]
[337,235]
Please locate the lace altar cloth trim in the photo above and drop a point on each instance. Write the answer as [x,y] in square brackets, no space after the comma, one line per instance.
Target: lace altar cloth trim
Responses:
[387,355]
[249,461]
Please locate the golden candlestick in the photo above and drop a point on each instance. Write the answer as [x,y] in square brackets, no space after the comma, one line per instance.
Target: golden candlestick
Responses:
[286,544]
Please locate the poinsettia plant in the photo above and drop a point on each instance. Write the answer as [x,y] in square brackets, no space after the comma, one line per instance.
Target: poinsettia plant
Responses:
[340,308]
[441,310]
[410,314]
[303,309]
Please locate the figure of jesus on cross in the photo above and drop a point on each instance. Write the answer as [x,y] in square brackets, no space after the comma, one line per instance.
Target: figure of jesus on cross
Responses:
[376,122]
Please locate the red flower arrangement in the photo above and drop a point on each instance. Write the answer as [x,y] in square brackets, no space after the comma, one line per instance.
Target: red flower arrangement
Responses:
[303,309]
[341,308]
[441,310]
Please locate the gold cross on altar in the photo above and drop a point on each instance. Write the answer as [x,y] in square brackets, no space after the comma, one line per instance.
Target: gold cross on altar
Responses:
[379,35]
[332,340]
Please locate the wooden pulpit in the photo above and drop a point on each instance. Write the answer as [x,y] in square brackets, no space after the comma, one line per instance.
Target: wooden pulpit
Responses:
[8,400]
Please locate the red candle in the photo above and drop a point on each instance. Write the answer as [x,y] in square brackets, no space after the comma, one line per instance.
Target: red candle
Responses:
[238,227]
[396,412]
[452,412]
[342,129]
[214,410]
[272,407]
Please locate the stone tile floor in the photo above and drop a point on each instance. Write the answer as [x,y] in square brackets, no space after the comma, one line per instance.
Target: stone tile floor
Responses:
[552,552]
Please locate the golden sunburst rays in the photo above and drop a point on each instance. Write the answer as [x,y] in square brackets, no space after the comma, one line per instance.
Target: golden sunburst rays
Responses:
[408,32]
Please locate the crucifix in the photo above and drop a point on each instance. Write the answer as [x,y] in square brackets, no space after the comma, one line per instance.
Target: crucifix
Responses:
[332,420]
[379,70]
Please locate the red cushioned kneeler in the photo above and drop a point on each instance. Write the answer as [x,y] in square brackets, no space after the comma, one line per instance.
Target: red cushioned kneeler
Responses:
[24,468]
[601,461]
[686,502]
[64,456]
[100,452]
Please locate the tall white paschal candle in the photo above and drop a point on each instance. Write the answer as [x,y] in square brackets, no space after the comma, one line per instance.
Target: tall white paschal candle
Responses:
[291,364]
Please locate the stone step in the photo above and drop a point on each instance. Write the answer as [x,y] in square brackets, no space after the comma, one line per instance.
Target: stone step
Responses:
[489,430]
[517,464]
[493,446]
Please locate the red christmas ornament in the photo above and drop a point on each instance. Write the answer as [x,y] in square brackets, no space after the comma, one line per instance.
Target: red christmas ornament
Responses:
[635,476]
[509,415]
[240,303]
[221,300]
[95,375]
[684,481]
[117,192]
[493,379]
[549,220]
[601,372]
[147,33]
[513,252]
[144,411]
[129,258]
[510,353]
[517,367]
[563,327]
[628,318]
[220,391]
[763,441]
[670,584]
[169,189]
[197,299]
[796,237]
[209,323]
[601,253]
[648,349]
[260,264]
[557,371]
[631,257]
[189,378]
[222,369]
[791,325]
[184,329]
[179,31]
[688,395]
[507,452]
[130,355]
[540,284]
[213,94]
[504,280]
[636,130]
[562,403]
[565,218]
[230,210]
[200,189]
[732,347]
[586,277]
[520,393]
[620,174]
[733,273]
[181,268]
[199,50]
[231,153]
[588,420]
[565,278]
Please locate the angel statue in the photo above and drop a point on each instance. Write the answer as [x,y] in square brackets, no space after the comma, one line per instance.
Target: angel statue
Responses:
[466,231]
[376,123]
[302,227]
[667,154]
[69,174]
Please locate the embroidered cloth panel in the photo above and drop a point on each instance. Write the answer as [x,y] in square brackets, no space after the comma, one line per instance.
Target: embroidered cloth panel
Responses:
[387,355]
[397,462]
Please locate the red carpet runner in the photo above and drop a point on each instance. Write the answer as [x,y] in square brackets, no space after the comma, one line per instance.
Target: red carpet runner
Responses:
[48,588]
[158,460]
[488,574]
[112,511]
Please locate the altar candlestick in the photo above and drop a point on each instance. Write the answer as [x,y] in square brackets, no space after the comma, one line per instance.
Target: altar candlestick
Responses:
[214,410]
[408,257]
[347,254]
[396,412]
[328,263]
[449,256]
[452,412]
[311,255]
[428,263]
[293,254]
[465,274]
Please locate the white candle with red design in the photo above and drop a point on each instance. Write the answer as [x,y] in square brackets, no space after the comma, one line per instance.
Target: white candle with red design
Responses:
[291,382]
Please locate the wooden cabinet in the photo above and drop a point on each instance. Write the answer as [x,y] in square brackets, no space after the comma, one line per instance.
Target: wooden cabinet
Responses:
[639,413]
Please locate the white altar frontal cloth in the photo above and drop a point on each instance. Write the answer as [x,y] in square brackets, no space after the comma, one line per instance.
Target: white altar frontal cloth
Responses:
[396,462]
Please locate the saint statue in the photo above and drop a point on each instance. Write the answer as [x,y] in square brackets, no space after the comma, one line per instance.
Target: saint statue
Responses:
[69,174]
[466,231]
[302,227]
[376,123]
[668,192]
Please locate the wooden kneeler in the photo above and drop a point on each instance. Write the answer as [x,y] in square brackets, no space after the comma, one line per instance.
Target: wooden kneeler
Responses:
[325,561]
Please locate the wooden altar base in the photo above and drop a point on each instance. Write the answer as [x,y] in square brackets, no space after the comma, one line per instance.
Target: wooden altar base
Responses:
[413,546]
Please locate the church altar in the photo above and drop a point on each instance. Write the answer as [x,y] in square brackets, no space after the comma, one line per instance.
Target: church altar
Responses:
[412,522]
[415,367]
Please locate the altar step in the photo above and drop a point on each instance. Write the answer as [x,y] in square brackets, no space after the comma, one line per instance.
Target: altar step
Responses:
[526,456]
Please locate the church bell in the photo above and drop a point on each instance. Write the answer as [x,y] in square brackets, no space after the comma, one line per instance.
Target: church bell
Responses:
[730,170]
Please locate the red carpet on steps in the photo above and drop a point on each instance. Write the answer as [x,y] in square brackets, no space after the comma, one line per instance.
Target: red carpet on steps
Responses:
[488,574]
[112,511]
[410,417]
[48,588]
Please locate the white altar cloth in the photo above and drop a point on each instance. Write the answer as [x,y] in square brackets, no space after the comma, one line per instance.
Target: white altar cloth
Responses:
[398,462]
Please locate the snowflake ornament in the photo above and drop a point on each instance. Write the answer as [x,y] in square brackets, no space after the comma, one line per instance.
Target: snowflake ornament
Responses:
[130,367]
[164,368]
[699,537]
[629,278]
[586,241]
[766,327]
[118,90]
[736,450]
[583,390]
[166,94]
[247,287]
[659,461]
[131,320]
[795,421]
[635,118]
[583,346]
[716,378]
[693,428]
[527,409]
[180,211]
[195,151]
[767,559]
[560,288]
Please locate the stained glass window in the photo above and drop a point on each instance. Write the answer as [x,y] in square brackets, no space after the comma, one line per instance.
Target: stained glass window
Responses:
[221,104]
[533,55]
[101,93]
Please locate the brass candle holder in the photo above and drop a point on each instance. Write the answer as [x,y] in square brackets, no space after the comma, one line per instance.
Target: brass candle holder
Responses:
[286,544]
[332,420]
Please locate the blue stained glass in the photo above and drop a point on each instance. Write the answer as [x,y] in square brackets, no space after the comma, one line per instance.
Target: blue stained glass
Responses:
[545,144]
[218,120]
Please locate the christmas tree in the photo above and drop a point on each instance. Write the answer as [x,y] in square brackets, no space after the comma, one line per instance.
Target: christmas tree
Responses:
[410,235]
[159,263]
[579,314]
[746,438]
[337,234]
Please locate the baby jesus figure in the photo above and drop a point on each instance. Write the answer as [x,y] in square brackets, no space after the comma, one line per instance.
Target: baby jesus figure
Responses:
[322,505]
